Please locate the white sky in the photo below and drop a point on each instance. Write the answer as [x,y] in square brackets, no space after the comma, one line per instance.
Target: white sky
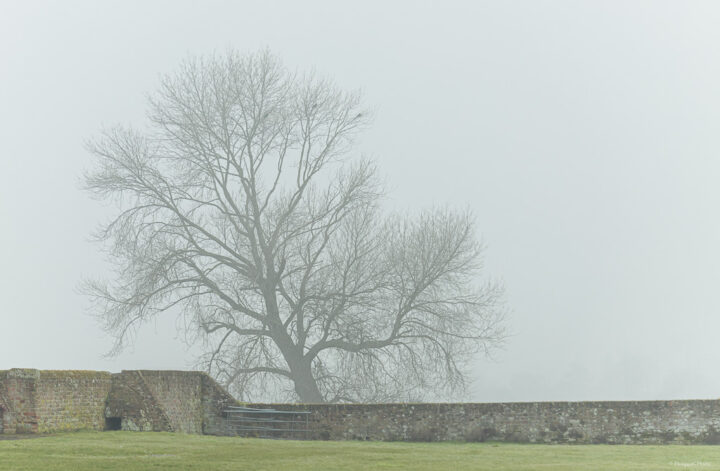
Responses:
[584,135]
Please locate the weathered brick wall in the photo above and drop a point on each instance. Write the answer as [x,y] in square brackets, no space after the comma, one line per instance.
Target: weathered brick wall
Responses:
[623,422]
[179,395]
[43,401]
[17,388]
[174,401]
[71,400]
[35,401]
[131,401]
[215,400]
[4,407]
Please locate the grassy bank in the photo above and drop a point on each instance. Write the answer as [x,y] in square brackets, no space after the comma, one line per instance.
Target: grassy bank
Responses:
[158,451]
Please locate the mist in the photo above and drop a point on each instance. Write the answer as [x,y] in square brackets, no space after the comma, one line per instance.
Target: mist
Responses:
[582,135]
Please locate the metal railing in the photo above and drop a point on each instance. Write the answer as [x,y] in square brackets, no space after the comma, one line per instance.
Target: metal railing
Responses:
[267,423]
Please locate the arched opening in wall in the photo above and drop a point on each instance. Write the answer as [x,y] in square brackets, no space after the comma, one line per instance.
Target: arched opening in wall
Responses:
[113,423]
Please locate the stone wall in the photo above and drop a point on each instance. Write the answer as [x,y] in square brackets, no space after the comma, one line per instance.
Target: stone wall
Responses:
[624,422]
[179,395]
[132,406]
[17,389]
[173,401]
[215,400]
[41,401]
[33,401]
[71,400]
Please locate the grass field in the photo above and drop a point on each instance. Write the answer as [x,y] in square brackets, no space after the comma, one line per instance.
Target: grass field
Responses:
[157,451]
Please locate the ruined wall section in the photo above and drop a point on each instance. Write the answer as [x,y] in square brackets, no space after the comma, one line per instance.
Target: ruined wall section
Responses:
[17,388]
[179,395]
[4,408]
[71,400]
[215,400]
[173,401]
[33,401]
[133,404]
[36,401]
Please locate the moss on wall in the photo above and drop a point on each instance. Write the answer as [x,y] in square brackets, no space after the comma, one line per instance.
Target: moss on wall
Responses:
[71,400]
[36,401]
[179,395]
[192,402]
[614,422]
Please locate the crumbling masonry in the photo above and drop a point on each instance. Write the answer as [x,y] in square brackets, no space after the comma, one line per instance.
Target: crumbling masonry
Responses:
[33,401]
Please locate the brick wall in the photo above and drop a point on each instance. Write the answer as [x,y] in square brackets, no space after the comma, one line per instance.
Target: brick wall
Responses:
[174,401]
[132,402]
[215,401]
[17,387]
[71,400]
[40,401]
[622,422]
[179,395]
[33,401]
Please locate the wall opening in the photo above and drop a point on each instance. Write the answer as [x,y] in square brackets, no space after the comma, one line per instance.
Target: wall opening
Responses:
[2,424]
[113,423]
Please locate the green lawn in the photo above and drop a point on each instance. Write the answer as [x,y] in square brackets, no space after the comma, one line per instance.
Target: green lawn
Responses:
[157,451]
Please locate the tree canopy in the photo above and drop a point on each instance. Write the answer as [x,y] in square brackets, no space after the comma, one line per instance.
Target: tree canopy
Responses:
[241,207]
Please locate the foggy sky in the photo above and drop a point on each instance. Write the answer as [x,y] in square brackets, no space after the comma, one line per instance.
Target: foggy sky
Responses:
[585,136]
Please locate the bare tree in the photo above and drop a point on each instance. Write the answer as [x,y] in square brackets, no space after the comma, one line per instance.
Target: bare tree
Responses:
[239,207]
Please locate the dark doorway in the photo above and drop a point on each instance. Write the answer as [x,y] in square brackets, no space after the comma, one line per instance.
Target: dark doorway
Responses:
[113,423]
[1,420]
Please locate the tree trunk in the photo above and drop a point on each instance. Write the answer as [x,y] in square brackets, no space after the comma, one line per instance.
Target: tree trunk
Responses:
[305,385]
[300,368]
